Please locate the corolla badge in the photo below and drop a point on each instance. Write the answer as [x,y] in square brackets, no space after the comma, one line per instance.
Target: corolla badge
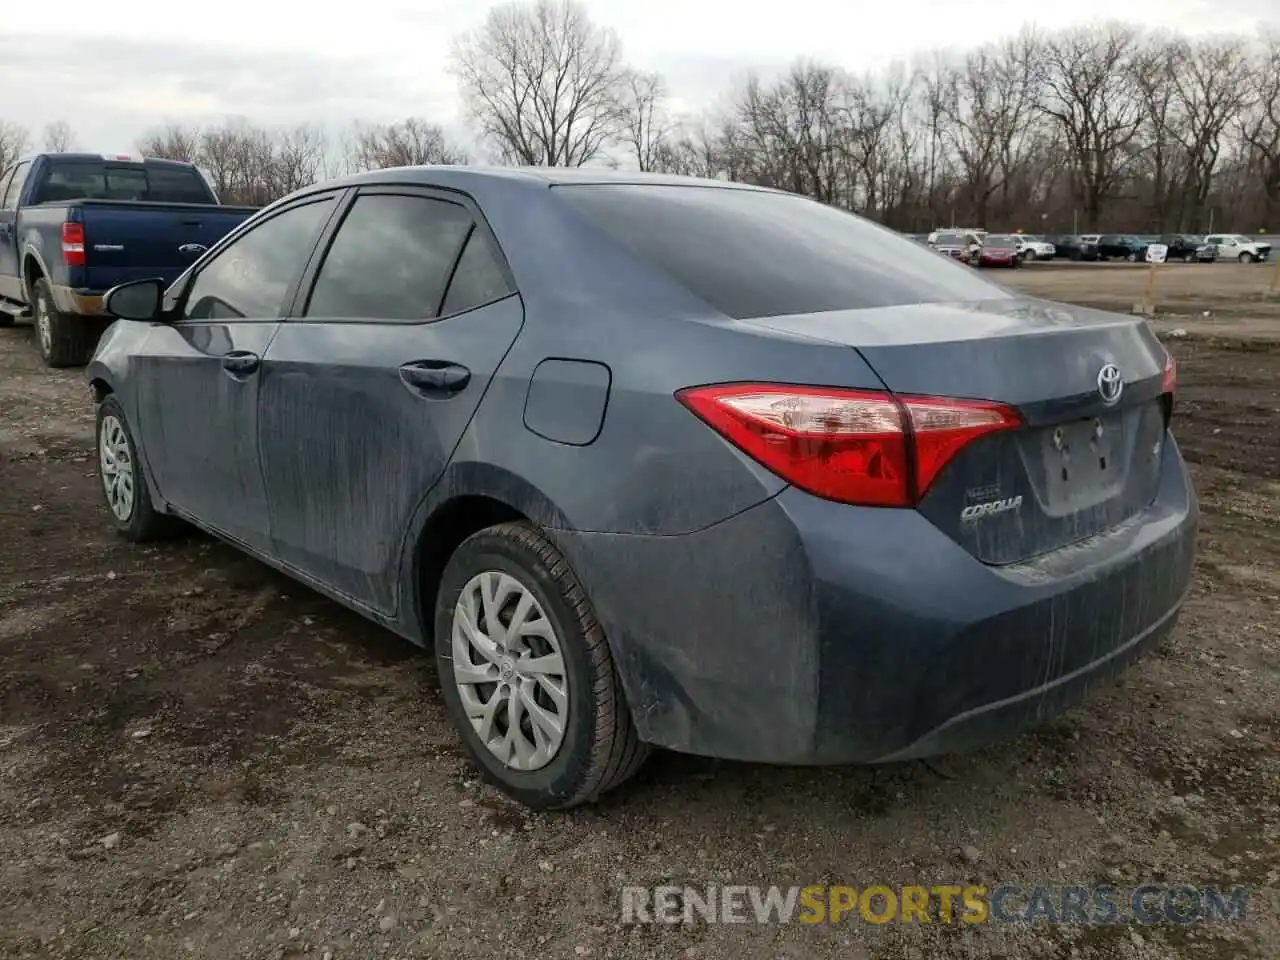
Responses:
[192,248]
[1110,384]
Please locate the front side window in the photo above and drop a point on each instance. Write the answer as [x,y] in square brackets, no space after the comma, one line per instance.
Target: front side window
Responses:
[390,259]
[251,278]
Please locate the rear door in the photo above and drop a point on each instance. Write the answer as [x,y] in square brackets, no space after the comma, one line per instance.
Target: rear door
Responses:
[371,382]
[198,378]
[10,190]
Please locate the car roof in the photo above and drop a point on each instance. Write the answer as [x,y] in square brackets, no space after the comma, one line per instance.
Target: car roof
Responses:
[459,174]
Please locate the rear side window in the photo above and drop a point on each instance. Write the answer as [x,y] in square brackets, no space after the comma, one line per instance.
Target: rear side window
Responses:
[14,190]
[479,277]
[100,180]
[390,259]
[750,253]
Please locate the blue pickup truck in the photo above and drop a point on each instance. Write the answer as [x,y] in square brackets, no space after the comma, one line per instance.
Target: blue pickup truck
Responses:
[73,225]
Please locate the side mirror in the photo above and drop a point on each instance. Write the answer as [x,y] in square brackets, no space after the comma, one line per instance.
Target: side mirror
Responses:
[135,300]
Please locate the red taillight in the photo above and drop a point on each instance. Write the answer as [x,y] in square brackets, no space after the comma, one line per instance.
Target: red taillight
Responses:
[854,446]
[1169,381]
[73,244]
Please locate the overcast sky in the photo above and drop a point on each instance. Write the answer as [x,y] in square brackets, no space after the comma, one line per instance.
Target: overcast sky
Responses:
[113,71]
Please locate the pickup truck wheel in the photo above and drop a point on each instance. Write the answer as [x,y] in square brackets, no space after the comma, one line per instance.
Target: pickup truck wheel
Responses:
[65,340]
[526,673]
[123,486]
[1245,258]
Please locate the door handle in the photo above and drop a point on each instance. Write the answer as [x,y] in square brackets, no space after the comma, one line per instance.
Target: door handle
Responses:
[241,363]
[435,378]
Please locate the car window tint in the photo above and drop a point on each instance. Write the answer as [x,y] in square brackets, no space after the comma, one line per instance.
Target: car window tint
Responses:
[252,276]
[752,253]
[390,259]
[14,190]
[478,279]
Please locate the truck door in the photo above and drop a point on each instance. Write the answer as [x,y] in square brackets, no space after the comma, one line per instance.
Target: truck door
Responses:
[10,275]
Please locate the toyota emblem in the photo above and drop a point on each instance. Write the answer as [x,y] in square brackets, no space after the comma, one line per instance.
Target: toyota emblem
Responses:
[1110,384]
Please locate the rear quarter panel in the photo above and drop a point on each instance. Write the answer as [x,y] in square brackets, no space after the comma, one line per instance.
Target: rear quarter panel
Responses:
[654,468]
[40,239]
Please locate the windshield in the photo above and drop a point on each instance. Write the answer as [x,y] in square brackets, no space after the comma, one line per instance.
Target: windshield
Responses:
[755,253]
[90,179]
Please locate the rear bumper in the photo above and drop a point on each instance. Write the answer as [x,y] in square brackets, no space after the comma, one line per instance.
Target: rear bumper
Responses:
[87,303]
[803,631]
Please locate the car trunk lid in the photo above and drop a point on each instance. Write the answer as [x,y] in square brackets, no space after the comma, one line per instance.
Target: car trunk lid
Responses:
[1084,461]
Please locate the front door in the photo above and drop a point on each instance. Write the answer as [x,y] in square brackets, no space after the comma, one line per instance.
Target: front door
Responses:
[368,390]
[198,377]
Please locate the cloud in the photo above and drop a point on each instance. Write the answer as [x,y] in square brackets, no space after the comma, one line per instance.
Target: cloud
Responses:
[110,90]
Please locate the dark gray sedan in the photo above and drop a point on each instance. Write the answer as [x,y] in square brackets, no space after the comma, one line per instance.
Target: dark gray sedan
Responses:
[656,461]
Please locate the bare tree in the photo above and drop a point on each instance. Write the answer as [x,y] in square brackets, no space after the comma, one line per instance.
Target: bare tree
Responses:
[1259,127]
[13,143]
[1211,88]
[172,142]
[412,142]
[59,137]
[542,82]
[1087,90]
[646,125]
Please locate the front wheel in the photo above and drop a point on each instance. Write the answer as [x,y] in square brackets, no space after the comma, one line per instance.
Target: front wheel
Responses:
[1245,258]
[1189,258]
[1132,258]
[123,486]
[526,672]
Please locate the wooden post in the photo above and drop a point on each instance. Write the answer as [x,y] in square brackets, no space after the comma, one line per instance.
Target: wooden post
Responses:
[1155,255]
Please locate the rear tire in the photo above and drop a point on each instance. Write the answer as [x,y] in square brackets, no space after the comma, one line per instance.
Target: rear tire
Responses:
[515,565]
[124,488]
[65,340]
[6,319]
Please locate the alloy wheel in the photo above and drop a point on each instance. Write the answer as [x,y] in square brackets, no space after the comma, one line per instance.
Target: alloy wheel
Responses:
[44,325]
[509,671]
[117,467]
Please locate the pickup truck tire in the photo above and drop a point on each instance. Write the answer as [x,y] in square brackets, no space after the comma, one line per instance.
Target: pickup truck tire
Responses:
[124,488]
[1245,258]
[64,339]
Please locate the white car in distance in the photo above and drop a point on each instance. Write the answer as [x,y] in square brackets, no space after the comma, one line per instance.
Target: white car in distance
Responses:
[1234,246]
[1035,248]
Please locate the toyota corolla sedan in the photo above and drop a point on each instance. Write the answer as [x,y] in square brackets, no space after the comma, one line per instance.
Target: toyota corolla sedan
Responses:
[651,461]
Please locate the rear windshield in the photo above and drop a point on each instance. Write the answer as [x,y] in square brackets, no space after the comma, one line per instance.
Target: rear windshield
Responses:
[750,253]
[1001,242]
[101,180]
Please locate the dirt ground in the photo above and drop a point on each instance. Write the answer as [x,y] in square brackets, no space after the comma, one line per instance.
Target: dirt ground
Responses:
[200,758]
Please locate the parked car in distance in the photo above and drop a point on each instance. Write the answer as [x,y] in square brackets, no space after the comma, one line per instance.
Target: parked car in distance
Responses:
[1072,247]
[649,460]
[1188,248]
[959,246]
[998,250]
[73,225]
[1121,246]
[1239,247]
[1032,248]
